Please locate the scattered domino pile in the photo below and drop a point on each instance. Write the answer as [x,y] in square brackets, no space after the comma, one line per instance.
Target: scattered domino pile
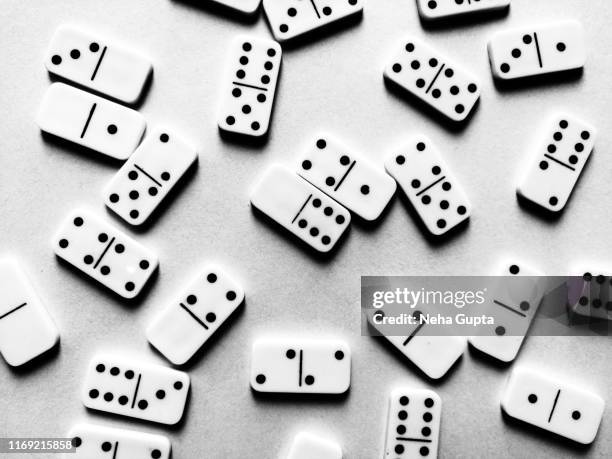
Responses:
[314,198]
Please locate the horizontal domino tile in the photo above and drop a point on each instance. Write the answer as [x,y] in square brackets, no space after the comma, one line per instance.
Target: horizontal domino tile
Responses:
[90,121]
[433,78]
[148,175]
[132,388]
[300,366]
[557,162]
[26,329]
[553,405]
[346,177]
[413,424]
[97,64]
[441,9]
[289,19]
[185,325]
[300,208]
[421,172]
[537,50]
[517,307]
[104,253]
[310,446]
[99,442]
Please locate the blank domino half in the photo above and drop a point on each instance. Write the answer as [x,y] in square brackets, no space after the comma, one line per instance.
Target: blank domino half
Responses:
[94,63]
[289,19]
[537,50]
[347,177]
[310,446]
[413,424]
[104,253]
[557,162]
[553,405]
[514,304]
[192,318]
[132,388]
[26,329]
[98,442]
[300,208]
[90,121]
[300,366]
[441,9]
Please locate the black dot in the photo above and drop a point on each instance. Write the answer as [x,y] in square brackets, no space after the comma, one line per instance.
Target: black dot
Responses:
[302,223]
[306,164]
[123,400]
[444,204]
[514,269]
[420,83]
[316,203]
[576,415]
[283,28]
[365,189]
[449,73]
[261,98]
[573,159]
[129,286]
[63,243]
[246,46]
[401,429]
[76,442]
[505,68]
[561,46]
[340,219]
[240,74]
[230,120]
[230,295]
[516,53]
[292,12]
[236,92]
[309,380]
[427,417]
[433,62]
[426,199]
[57,60]
[164,138]
[415,64]
[133,175]
[100,368]
[211,317]
[459,108]
[106,446]
[524,305]
[165,176]
[88,259]
[426,431]
[404,400]
[114,198]
[102,237]
[596,303]
[212,278]
[108,397]
[134,195]
[94,393]
[454,90]
[94,47]
[112,129]
[78,221]
[178,385]
[260,379]
[429,402]
[527,39]
[265,79]
[423,450]
[432,4]
[327,11]
[192,299]
[583,301]
[415,183]
[563,124]
[155,454]
[553,201]
[399,449]
[75,54]
[436,93]
[143,404]
[339,355]
[400,160]
[268,65]
[579,147]
[134,213]
[160,394]
[255,126]
[244,60]
[557,136]
[153,191]
[402,415]
[585,135]
[420,146]
[114,371]
[330,181]
[472,87]
[246,109]
[532,398]
[543,165]
[500,331]
[144,264]
[129,374]
[314,231]
[271,52]
[409,47]
[325,240]
[328,211]
[290,354]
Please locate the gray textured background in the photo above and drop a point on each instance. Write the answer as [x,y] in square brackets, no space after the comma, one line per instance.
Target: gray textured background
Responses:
[336,84]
